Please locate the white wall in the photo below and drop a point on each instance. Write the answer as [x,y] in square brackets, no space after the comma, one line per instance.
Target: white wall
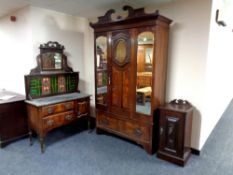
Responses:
[218,85]
[200,61]
[188,48]
[15,46]
[89,65]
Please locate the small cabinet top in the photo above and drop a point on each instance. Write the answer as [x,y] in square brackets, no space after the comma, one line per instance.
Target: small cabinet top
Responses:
[177,105]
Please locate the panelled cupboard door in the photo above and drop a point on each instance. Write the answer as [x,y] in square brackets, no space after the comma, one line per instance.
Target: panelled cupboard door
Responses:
[121,73]
[171,130]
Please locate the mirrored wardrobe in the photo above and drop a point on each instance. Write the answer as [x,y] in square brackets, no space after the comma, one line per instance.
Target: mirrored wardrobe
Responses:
[130,73]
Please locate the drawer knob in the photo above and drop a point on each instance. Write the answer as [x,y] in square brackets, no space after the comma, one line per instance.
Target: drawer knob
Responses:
[50,110]
[138,132]
[50,122]
[69,117]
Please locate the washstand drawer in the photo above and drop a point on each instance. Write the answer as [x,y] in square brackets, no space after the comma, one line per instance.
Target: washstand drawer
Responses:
[61,107]
[127,128]
[57,120]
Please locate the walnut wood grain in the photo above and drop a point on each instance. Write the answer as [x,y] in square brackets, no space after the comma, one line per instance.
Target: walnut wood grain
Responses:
[52,94]
[41,121]
[118,115]
[61,107]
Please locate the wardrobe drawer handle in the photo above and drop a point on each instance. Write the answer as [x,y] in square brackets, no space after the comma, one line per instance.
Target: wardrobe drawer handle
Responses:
[138,132]
[50,122]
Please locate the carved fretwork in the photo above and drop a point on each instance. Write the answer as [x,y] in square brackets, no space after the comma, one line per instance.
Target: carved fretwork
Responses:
[51,47]
[137,12]
[171,134]
[124,36]
[132,15]
[106,17]
[180,102]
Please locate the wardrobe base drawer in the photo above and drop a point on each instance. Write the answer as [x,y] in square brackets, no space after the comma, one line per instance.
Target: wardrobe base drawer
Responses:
[125,128]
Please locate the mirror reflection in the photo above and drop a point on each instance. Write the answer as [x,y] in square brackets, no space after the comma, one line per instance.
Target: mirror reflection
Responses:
[101,74]
[51,60]
[144,72]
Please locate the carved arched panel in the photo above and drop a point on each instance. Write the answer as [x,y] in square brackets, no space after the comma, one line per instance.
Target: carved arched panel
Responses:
[121,48]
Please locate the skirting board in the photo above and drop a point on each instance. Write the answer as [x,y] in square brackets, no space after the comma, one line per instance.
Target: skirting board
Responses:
[195,151]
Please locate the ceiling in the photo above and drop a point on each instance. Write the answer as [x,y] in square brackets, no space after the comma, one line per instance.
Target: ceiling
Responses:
[84,8]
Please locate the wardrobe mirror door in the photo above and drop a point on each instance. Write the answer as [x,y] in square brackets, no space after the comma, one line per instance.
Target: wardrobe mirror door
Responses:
[144,72]
[101,70]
